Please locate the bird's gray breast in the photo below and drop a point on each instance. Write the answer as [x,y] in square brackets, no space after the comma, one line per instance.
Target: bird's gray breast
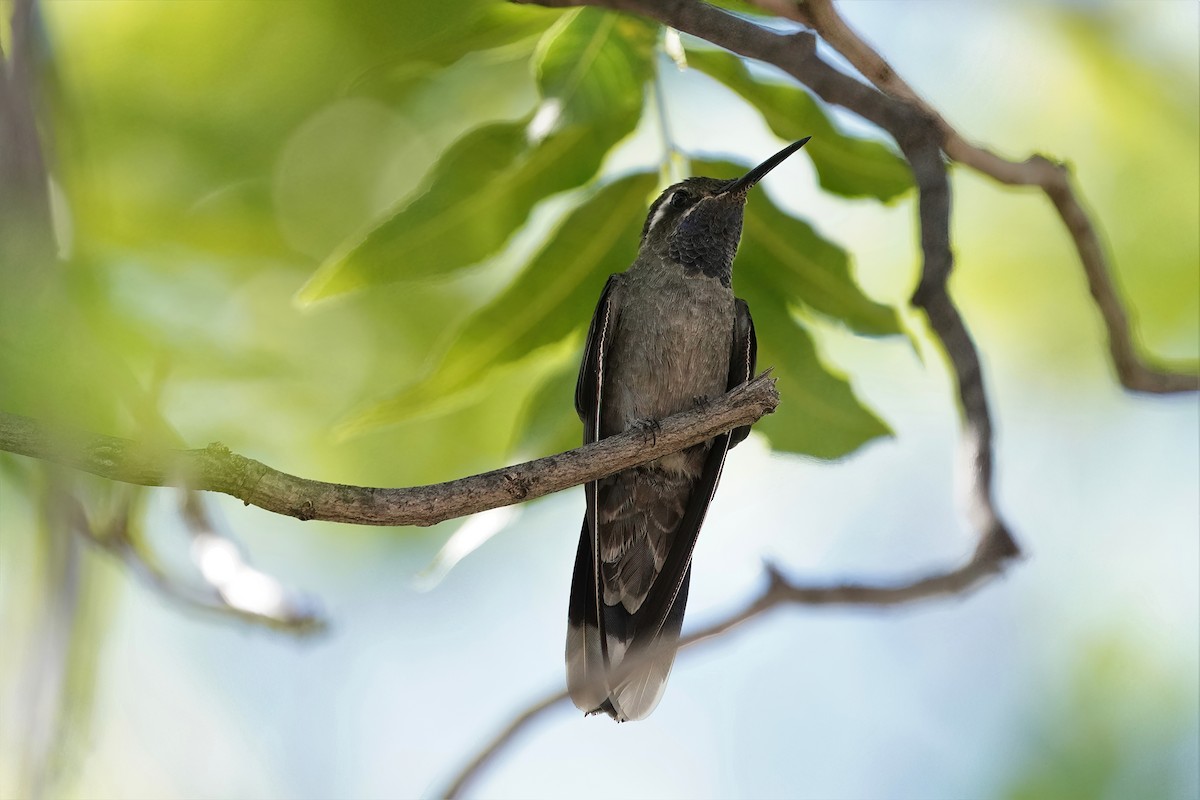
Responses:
[670,347]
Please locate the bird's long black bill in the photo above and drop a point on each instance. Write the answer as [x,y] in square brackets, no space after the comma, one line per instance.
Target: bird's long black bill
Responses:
[744,183]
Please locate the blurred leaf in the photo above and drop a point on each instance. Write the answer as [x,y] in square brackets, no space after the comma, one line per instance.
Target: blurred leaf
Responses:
[548,422]
[483,188]
[495,26]
[416,31]
[552,297]
[846,165]
[544,303]
[819,414]
[177,147]
[787,254]
[592,65]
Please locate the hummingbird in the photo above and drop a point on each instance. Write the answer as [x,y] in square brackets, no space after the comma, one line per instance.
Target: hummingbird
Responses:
[667,335]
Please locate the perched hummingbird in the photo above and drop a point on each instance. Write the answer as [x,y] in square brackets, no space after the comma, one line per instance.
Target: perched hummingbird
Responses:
[667,334]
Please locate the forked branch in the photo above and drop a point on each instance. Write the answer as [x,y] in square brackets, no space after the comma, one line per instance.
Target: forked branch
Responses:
[920,141]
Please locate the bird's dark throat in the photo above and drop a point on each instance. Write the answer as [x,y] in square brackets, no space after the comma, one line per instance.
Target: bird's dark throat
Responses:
[706,240]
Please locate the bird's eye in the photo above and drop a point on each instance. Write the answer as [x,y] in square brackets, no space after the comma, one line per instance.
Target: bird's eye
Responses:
[680,199]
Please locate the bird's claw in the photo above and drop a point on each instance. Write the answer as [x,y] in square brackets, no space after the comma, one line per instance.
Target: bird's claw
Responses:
[649,429]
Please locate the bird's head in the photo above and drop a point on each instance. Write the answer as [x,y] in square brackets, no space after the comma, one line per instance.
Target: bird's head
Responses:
[698,222]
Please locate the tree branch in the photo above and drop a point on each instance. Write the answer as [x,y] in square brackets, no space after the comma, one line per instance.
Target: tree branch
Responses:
[920,141]
[216,469]
[26,231]
[1052,177]
[779,592]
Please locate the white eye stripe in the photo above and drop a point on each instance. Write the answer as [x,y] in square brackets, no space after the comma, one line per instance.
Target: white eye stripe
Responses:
[661,211]
[658,215]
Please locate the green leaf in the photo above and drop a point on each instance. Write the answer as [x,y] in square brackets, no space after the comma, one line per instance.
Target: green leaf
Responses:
[493,25]
[548,423]
[483,188]
[845,165]
[593,64]
[548,301]
[556,292]
[788,255]
[819,414]
[479,195]
[496,25]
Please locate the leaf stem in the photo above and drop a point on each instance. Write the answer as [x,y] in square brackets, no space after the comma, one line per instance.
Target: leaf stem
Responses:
[674,166]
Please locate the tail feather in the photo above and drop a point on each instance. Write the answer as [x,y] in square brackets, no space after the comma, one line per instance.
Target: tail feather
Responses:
[587,675]
[610,668]
[623,632]
[641,675]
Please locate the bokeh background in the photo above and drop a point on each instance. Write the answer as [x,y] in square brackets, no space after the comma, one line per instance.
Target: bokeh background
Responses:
[212,154]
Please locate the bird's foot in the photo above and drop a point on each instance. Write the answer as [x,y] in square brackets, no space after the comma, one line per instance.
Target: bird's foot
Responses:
[649,429]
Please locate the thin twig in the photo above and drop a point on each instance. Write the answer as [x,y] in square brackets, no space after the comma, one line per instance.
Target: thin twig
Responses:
[669,150]
[778,592]
[471,770]
[49,655]
[295,614]
[1052,177]
[27,251]
[216,469]
[26,232]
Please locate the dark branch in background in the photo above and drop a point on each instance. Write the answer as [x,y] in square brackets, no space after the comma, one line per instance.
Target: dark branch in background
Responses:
[44,658]
[217,469]
[779,592]
[26,232]
[1051,177]
[46,696]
